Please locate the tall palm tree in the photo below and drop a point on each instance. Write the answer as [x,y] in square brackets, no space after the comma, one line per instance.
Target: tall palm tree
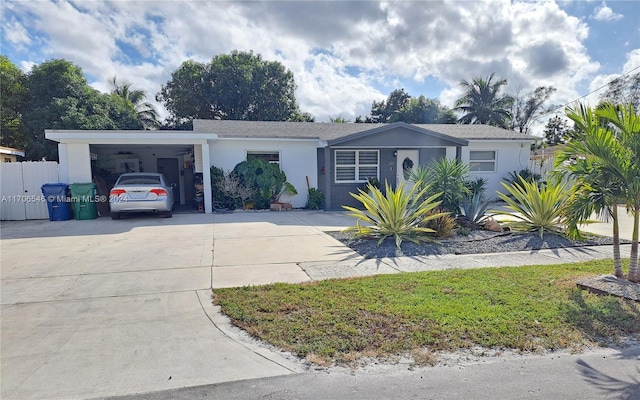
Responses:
[482,103]
[602,159]
[626,123]
[147,113]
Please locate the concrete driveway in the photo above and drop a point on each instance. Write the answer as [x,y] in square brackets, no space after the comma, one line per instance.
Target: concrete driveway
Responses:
[106,308]
[103,308]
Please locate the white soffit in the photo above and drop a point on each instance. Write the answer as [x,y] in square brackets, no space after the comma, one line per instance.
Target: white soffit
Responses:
[129,137]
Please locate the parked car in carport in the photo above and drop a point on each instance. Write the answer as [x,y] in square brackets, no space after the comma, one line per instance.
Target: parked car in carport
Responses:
[137,192]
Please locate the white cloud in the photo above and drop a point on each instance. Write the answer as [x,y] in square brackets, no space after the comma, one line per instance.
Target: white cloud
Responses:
[605,13]
[341,53]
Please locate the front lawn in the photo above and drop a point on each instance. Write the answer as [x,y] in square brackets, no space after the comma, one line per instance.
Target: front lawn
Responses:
[525,308]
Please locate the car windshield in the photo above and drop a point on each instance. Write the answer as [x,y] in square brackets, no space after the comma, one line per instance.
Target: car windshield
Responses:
[139,180]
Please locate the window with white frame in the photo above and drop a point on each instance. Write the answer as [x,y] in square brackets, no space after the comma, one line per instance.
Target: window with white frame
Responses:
[482,161]
[272,157]
[356,165]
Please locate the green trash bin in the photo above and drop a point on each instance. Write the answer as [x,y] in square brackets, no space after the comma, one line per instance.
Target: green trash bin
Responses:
[83,198]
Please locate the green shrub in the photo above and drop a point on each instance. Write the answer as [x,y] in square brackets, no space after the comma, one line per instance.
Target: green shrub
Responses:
[524,174]
[445,176]
[442,224]
[474,208]
[476,187]
[219,194]
[536,208]
[315,199]
[402,213]
[265,178]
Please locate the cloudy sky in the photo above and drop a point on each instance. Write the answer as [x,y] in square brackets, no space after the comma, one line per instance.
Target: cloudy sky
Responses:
[343,54]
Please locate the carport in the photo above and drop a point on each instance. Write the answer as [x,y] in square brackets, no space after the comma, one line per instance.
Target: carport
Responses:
[99,156]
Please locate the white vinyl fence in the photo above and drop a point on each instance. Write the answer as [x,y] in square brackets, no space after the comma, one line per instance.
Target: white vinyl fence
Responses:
[20,183]
[542,166]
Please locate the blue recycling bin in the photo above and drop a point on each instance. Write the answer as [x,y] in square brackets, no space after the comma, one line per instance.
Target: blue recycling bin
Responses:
[58,202]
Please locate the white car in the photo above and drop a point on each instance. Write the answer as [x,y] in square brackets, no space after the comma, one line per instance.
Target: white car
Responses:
[141,192]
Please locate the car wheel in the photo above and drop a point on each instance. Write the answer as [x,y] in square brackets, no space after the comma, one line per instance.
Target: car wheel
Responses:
[115,215]
[168,214]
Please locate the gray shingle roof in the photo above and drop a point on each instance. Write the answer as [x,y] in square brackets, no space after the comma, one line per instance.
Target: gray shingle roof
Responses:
[330,131]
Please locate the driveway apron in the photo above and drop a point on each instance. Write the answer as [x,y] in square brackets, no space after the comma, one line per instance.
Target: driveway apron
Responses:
[103,308]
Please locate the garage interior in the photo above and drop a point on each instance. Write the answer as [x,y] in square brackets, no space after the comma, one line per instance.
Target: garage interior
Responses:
[176,162]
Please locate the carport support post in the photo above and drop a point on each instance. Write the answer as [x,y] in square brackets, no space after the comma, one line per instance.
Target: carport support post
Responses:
[206,178]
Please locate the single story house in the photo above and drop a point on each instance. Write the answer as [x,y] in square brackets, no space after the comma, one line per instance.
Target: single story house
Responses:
[9,154]
[336,158]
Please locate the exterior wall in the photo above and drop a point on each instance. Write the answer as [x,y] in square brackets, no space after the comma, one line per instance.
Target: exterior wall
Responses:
[339,193]
[510,156]
[7,158]
[430,154]
[297,160]
[75,162]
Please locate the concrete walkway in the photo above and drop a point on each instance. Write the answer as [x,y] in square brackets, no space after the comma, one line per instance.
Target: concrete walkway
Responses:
[260,248]
[106,308]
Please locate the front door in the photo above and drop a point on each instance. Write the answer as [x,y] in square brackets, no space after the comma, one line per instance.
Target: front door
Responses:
[407,161]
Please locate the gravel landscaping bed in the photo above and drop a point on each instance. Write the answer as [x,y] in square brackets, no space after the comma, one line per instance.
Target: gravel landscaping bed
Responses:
[481,241]
[477,242]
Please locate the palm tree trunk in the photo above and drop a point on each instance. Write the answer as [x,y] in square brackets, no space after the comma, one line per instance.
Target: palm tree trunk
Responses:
[634,274]
[617,264]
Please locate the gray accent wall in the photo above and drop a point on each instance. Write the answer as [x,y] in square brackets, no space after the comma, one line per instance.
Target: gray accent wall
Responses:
[337,194]
[429,154]
[399,137]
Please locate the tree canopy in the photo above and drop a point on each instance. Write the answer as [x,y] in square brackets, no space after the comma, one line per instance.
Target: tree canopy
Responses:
[238,86]
[59,97]
[147,113]
[12,101]
[529,107]
[556,131]
[482,102]
[624,90]
[402,107]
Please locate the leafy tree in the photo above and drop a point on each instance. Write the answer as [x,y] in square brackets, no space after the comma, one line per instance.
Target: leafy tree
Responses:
[339,120]
[302,117]
[483,104]
[402,107]
[60,98]
[526,109]
[556,131]
[624,90]
[423,111]
[237,86]
[381,112]
[147,113]
[12,101]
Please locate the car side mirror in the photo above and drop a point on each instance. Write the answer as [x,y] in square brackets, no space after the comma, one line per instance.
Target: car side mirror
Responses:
[173,186]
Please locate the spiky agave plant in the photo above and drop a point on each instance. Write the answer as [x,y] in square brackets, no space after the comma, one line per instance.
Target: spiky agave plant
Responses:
[402,213]
[536,208]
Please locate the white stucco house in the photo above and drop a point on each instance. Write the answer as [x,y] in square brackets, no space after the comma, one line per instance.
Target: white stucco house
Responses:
[334,158]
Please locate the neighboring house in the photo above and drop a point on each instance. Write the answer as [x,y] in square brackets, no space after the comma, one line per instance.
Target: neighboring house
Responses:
[9,154]
[335,158]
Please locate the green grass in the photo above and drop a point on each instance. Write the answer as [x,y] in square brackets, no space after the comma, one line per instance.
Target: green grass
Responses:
[524,308]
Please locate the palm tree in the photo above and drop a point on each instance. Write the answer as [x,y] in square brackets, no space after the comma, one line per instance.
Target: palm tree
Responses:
[626,123]
[481,103]
[603,162]
[147,113]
